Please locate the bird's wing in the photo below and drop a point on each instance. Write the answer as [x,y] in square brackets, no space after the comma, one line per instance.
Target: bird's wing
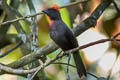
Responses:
[71,38]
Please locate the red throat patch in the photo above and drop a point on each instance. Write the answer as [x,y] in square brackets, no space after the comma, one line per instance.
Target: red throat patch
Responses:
[55,6]
[50,21]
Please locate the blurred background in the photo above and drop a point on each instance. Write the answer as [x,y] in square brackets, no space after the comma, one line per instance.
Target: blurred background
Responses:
[99,59]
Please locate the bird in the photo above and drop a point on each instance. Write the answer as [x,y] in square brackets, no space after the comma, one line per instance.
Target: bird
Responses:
[63,36]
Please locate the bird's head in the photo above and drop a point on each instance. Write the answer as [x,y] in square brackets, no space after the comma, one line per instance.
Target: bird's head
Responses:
[53,12]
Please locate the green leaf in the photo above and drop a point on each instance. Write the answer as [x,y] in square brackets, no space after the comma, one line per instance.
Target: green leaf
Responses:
[65,16]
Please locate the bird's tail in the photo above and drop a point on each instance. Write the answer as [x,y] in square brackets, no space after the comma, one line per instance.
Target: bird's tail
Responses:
[79,64]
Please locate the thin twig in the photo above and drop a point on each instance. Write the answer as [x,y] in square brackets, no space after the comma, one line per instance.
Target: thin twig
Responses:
[74,3]
[89,44]
[6,53]
[65,64]
[40,68]
[118,9]
[11,15]
[36,14]
[97,42]
[116,35]
[92,75]
[21,18]
[19,14]
[75,67]
[92,43]
[118,53]
[67,74]
[117,56]
[20,71]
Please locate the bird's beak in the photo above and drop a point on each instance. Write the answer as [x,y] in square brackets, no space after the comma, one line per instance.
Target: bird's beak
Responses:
[45,11]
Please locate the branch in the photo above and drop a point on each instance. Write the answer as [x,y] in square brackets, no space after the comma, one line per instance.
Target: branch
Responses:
[19,14]
[97,42]
[74,3]
[117,8]
[34,55]
[75,67]
[21,72]
[34,27]
[11,15]
[6,53]
[14,4]
[36,14]
[65,64]
[6,39]
[91,21]
[117,57]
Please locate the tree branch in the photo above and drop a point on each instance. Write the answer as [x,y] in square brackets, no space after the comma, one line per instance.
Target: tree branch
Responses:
[6,39]
[32,15]
[11,15]
[117,8]
[91,21]
[21,72]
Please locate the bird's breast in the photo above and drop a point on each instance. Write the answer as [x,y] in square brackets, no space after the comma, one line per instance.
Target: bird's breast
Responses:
[56,35]
[59,34]
[60,39]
